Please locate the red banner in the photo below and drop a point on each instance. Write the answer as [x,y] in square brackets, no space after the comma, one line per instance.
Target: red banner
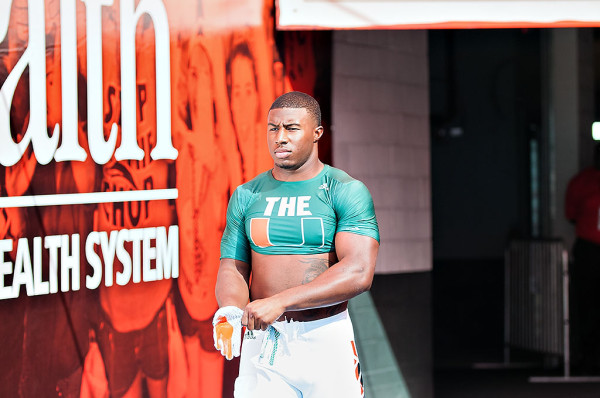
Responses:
[124,127]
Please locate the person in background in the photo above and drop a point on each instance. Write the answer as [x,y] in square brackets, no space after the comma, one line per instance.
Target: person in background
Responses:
[582,208]
[204,188]
[131,325]
[244,101]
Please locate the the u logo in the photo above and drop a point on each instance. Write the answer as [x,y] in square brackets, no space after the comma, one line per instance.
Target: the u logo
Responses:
[287,232]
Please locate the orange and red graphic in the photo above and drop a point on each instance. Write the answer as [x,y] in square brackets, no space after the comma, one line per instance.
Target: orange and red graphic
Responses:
[125,126]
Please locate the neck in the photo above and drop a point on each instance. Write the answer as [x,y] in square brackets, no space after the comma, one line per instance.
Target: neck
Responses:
[305,172]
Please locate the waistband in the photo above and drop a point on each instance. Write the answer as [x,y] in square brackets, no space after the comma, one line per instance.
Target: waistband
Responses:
[313,314]
[303,326]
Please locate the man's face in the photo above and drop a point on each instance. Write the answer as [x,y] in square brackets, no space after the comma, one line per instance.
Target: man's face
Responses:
[291,136]
[200,91]
[244,98]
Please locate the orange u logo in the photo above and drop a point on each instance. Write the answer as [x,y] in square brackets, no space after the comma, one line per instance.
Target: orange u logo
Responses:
[259,232]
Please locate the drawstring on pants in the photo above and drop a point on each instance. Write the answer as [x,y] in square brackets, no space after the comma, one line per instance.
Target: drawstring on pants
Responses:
[272,340]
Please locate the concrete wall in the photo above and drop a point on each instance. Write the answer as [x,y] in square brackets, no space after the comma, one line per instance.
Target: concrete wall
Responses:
[380,111]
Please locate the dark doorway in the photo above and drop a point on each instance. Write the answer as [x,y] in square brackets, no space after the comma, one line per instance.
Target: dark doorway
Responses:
[485,124]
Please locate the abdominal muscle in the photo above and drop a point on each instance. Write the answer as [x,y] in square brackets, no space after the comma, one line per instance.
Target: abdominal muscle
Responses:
[272,274]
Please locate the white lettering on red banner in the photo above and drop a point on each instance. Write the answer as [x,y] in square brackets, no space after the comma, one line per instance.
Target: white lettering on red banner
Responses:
[45,146]
[144,255]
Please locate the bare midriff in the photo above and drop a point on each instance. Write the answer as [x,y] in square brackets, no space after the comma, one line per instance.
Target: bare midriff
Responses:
[272,274]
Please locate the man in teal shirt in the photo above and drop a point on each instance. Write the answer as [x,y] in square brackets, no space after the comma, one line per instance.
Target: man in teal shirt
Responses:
[301,240]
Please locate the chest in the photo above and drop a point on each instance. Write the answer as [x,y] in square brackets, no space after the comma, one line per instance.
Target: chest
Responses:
[292,220]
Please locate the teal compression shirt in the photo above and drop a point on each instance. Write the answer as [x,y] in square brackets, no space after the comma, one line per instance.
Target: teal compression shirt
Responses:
[297,217]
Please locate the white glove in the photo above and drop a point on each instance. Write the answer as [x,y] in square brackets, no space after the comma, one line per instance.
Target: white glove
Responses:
[227,331]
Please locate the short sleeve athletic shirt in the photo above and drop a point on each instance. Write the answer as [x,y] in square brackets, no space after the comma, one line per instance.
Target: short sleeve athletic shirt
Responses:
[296,217]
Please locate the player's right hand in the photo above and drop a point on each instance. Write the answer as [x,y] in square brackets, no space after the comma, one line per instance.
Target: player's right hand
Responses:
[227,331]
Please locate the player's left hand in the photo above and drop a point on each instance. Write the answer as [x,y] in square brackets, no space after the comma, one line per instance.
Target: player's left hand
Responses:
[259,314]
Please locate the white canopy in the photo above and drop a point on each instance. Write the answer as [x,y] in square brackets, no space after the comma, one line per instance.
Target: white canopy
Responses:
[435,14]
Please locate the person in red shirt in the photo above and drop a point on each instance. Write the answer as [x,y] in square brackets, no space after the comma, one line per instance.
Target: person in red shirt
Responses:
[582,208]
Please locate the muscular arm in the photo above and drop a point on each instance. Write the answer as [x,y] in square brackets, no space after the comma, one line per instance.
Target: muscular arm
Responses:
[349,277]
[232,283]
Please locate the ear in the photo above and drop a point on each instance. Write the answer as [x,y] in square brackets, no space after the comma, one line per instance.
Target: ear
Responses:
[317,134]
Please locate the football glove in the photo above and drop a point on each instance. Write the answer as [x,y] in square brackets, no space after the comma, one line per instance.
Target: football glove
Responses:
[227,331]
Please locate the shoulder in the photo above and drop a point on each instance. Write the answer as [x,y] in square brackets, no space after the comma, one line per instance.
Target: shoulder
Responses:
[338,175]
[257,182]
[245,193]
[341,182]
[346,192]
[353,205]
[253,186]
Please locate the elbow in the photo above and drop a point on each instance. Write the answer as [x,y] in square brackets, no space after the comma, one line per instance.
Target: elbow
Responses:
[364,282]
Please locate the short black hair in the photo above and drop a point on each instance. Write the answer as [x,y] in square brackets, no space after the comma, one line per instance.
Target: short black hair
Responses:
[297,99]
